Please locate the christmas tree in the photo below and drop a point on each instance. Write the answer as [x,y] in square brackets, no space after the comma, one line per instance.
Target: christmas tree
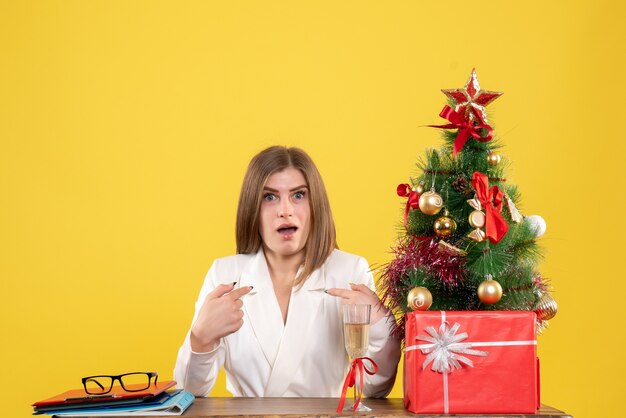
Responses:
[464,244]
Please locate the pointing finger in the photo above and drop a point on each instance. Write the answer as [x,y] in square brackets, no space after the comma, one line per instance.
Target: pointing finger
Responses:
[237,293]
[221,290]
[342,293]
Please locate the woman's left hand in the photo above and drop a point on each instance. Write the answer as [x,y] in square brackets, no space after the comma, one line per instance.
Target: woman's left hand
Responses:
[360,294]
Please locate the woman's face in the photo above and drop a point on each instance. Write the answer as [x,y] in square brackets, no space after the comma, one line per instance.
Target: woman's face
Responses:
[285,213]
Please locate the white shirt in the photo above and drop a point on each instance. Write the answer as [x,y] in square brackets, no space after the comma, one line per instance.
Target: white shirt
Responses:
[304,357]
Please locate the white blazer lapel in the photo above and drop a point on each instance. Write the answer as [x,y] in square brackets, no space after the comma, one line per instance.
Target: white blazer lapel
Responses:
[303,311]
[261,307]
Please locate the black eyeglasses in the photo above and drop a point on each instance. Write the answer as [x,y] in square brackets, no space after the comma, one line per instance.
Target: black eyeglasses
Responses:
[130,382]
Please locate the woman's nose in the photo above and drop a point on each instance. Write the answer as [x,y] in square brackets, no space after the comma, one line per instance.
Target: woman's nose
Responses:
[285,208]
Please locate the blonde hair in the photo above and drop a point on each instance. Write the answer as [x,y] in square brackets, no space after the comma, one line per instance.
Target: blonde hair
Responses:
[322,237]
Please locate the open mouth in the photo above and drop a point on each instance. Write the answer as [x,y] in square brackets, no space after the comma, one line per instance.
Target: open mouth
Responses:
[287,230]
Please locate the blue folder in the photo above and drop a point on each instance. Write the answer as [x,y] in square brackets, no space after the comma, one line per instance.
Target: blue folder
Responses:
[175,405]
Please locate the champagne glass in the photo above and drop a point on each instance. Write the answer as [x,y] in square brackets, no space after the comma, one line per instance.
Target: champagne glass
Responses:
[356,332]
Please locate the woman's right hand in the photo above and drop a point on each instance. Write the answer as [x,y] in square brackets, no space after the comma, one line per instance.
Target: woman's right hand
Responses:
[220,315]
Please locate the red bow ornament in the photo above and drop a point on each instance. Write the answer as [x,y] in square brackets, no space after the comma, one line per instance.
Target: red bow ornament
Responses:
[491,200]
[405,190]
[357,366]
[466,128]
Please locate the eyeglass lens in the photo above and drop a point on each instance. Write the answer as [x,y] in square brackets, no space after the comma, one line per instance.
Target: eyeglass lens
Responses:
[96,385]
[131,382]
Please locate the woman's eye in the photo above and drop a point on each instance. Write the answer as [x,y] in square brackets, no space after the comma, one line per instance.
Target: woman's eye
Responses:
[269,197]
[299,195]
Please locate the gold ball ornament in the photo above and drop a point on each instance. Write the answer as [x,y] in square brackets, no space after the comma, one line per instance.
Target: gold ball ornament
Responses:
[489,291]
[546,308]
[430,202]
[493,159]
[419,189]
[419,299]
[444,226]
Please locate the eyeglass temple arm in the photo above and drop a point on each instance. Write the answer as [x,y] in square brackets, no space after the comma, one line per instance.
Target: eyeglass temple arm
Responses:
[95,381]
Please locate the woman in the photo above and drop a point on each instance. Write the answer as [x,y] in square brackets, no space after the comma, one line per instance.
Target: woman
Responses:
[271,315]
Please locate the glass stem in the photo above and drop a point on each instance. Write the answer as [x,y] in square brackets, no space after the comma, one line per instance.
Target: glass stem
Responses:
[356,384]
[354,390]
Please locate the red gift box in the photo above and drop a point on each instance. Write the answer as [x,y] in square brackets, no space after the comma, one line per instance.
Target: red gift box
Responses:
[479,362]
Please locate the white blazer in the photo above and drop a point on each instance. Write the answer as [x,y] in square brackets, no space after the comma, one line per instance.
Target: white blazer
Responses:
[304,357]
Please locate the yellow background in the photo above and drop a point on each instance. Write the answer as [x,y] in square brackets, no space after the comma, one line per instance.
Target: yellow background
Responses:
[126,127]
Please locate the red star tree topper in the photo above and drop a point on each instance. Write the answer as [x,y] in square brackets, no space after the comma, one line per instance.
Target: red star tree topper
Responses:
[471,100]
